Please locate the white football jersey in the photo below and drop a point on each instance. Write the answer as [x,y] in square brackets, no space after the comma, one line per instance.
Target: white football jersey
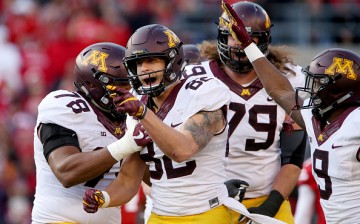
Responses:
[196,185]
[54,203]
[255,122]
[335,155]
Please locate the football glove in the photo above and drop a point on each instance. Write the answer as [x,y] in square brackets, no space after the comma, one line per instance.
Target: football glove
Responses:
[236,26]
[94,199]
[125,102]
[270,206]
[236,189]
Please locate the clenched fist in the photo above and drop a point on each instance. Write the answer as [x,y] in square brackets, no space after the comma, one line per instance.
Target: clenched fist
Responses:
[125,102]
[237,189]
[92,200]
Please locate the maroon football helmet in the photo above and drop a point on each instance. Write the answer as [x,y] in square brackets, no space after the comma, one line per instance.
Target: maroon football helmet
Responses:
[191,53]
[332,80]
[96,67]
[154,41]
[257,24]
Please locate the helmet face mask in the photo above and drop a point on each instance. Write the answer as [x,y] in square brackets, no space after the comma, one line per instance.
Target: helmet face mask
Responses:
[154,41]
[314,83]
[258,25]
[98,69]
[332,81]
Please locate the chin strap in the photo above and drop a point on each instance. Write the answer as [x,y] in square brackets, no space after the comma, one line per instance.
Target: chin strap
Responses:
[323,117]
[335,104]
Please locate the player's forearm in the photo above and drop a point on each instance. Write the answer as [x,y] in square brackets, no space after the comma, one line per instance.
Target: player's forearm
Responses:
[288,102]
[286,179]
[276,84]
[176,145]
[121,194]
[82,167]
[127,183]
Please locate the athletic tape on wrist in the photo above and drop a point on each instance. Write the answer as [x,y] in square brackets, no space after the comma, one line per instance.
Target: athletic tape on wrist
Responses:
[253,52]
[106,199]
[123,147]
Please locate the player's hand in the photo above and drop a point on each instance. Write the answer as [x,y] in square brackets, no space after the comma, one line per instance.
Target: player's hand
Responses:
[92,200]
[125,102]
[270,206]
[134,140]
[141,137]
[236,189]
[235,26]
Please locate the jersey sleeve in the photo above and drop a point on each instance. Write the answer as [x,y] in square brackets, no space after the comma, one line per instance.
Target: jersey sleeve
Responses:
[297,79]
[211,95]
[64,108]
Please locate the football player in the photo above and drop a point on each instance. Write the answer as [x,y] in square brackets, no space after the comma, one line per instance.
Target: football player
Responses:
[192,55]
[330,115]
[73,136]
[266,148]
[186,119]
[189,131]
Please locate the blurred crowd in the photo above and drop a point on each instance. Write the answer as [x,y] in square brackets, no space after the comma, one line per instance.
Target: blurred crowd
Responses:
[39,40]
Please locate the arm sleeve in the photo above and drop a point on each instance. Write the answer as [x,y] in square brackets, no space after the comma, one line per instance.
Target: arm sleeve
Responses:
[54,136]
[293,147]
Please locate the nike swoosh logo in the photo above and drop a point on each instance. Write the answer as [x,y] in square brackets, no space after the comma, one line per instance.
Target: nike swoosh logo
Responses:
[175,125]
[269,99]
[336,146]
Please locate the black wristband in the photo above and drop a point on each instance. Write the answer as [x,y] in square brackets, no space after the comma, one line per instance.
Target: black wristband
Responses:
[273,202]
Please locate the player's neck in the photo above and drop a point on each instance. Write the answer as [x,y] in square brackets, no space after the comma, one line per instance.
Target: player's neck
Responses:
[335,115]
[241,78]
[159,100]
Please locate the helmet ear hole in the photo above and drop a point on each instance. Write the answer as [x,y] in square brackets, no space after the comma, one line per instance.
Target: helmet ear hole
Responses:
[87,83]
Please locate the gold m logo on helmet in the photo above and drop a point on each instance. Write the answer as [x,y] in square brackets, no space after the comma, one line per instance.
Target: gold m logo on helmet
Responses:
[96,58]
[267,20]
[245,92]
[343,66]
[173,39]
